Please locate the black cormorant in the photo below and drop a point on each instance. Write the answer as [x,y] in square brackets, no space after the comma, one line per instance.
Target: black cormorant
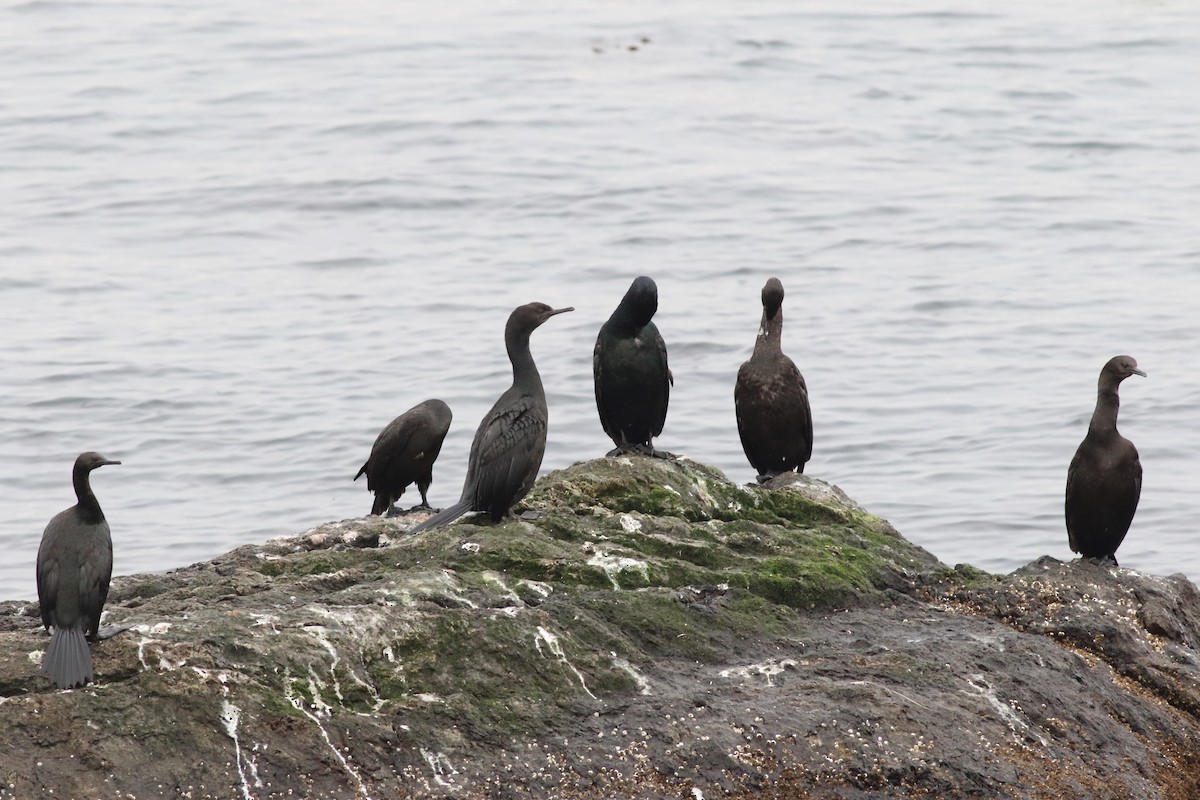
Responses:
[1104,480]
[404,452]
[508,445]
[629,365]
[771,400]
[74,566]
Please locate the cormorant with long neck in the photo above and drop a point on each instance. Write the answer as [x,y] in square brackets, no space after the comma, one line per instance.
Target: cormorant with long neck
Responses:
[74,567]
[1104,481]
[629,367]
[511,439]
[771,399]
[404,452]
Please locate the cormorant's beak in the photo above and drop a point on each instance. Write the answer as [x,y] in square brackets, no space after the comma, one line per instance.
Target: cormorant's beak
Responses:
[107,463]
[1137,371]
[560,311]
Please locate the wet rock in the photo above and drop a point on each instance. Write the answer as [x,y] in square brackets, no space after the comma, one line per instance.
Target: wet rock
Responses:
[655,632]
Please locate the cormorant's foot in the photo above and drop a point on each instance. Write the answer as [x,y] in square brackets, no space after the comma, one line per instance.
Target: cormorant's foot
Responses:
[1109,560]
[427,511]
[641,449]
[418,507]
[529,515]
[109,632]
[775,480]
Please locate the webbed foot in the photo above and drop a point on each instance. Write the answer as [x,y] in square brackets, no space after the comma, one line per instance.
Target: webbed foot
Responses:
[108,632]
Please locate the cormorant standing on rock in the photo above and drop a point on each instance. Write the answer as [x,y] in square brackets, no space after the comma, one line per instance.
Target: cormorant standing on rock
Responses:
[771,400]
[74,566]
[404,452]
[1104,480]
[629,365]
[511,439]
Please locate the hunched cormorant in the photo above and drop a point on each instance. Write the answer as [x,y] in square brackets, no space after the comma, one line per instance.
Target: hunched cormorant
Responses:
[629,366]
[74,566]
[771,399]
[511,439]
[1104,480]
[404,452]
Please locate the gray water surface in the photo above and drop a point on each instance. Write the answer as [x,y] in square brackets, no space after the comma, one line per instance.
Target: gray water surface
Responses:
[237,239]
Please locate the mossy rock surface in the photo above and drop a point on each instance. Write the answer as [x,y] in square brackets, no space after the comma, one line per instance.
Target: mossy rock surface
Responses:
[654,631]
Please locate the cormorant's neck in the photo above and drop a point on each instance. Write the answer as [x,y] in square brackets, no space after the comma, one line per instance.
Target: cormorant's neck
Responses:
[525,372]
[88,505]
[769,334]
[1104,418]
[626,321]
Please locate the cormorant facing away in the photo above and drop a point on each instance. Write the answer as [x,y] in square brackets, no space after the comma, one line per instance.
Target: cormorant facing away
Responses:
[771,400]
[629,365]
[74,566]
[1104,480]
[404,452]
[511,439]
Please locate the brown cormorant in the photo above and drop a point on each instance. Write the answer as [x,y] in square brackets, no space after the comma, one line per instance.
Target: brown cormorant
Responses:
[74,566]
[1104,480]
[771,400]
[404,452]
[511,439]
[629,366]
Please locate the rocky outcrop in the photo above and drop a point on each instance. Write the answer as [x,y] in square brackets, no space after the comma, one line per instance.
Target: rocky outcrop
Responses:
[656,631]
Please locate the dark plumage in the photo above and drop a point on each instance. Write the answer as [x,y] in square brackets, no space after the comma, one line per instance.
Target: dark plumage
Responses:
[1104,480]
[74,566]
[511,439]
[629,365]
[404,452]
[771,400]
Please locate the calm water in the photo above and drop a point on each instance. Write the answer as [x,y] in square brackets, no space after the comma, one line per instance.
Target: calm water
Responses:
[236,240]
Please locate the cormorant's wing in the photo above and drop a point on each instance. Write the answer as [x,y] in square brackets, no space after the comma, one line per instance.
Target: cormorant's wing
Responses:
[47,572]
[737,391]
[1126,502]
[391,443]
[598,380]
[1070,499]
[661,348]
[507,451]
[804,419]
[95,574]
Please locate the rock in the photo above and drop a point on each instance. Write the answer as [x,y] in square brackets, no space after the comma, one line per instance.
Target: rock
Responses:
[656,631]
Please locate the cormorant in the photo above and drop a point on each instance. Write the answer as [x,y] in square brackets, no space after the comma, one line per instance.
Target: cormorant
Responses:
[1104,480]
[74,566]
[404,452]
[511,439]
[771,399]
[629,365]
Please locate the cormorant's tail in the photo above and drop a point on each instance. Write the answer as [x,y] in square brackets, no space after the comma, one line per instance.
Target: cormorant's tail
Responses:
[445,516]
[68,662]
[380,506]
